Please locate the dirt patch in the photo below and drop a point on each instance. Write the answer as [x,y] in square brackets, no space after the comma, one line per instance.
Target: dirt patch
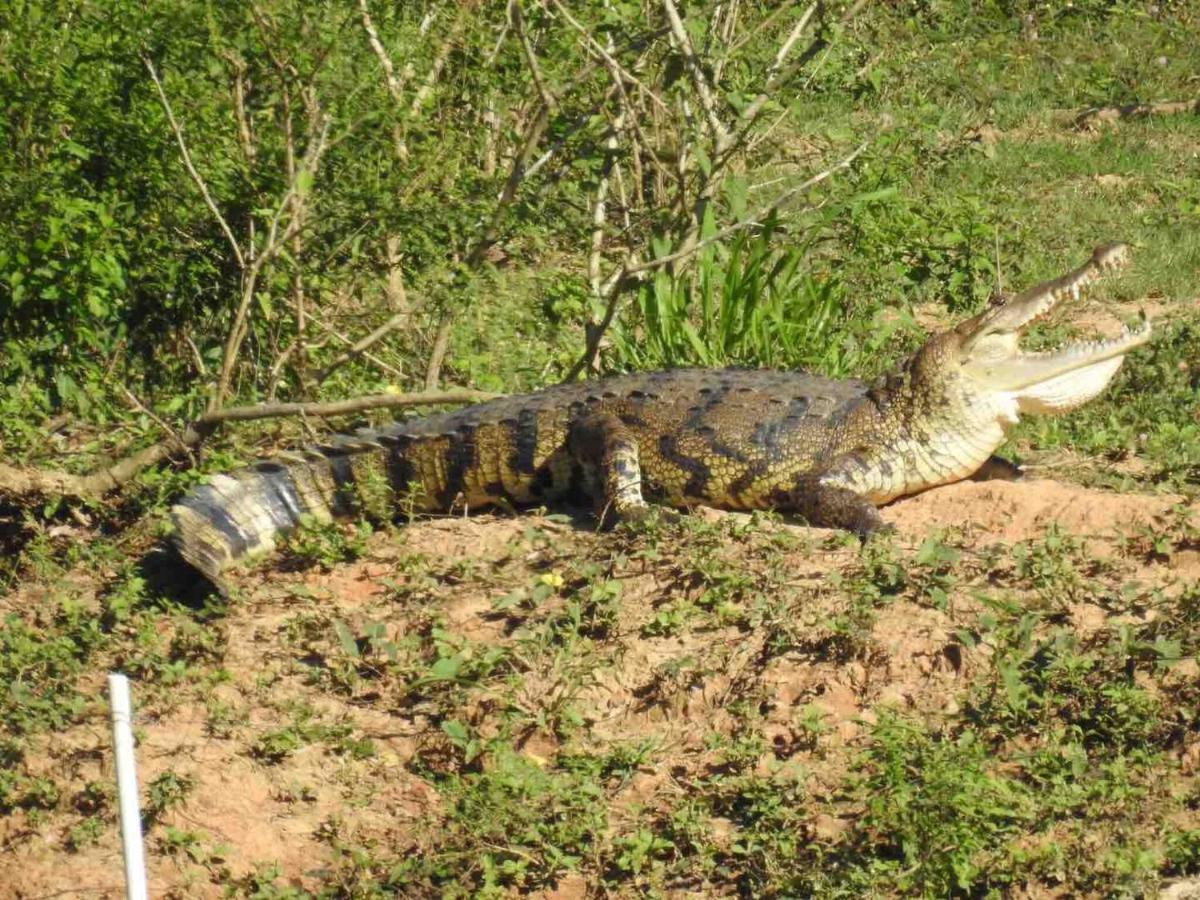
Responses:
[1007,512]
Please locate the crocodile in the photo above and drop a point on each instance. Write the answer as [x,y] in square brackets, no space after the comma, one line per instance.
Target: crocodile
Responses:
[829,451]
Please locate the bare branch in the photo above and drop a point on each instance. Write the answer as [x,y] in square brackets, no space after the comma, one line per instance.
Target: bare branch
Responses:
[197,359]
[187,162]
[365,354]
[245,135]
[139,406]
[599,206]
[518,21]
[465,10]
[753,219]
[389,73]
[720,134]
[607,57]
[299,208]
[17,481]
[275,240]
[779,73]
[441,343]
[360,346]
[516,174]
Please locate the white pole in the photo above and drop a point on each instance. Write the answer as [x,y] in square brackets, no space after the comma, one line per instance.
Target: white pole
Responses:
[127,788]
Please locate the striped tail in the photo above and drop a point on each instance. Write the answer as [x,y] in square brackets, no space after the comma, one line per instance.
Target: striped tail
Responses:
[244,513]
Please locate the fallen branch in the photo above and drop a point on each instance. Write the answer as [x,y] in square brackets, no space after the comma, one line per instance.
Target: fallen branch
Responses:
[1104,114]
[20,482]
[343,407]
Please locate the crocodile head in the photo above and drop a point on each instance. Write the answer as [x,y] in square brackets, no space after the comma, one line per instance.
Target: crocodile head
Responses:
[991,368]
[948,409]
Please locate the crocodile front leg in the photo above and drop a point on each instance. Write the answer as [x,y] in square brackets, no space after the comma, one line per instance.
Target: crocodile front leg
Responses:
[608,452]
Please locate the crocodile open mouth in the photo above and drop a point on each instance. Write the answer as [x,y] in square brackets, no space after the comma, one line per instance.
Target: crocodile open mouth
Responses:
[1055,380]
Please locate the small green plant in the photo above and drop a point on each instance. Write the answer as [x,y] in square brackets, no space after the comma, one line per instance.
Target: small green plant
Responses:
[163,794]
[748,303]
[326,544]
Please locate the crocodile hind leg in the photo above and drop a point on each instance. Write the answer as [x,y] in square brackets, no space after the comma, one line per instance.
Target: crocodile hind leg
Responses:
[829,506]
[608,453]
[997,468]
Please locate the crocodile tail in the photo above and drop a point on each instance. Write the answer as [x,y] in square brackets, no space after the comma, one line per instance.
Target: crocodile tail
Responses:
[244,513]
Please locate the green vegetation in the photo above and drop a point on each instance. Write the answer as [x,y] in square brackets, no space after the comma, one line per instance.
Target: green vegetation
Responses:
[681,707]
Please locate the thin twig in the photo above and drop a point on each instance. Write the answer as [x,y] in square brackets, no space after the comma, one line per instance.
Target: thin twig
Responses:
[197,359]
[443,55]
[187,162]
[778,73]
[245,135]
[365,354]
[607,57]
[599,207]
[141,407]
[359,347]
[516,174]
[753,219]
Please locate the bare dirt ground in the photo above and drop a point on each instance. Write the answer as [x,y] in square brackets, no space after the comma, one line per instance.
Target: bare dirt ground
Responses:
[256,801]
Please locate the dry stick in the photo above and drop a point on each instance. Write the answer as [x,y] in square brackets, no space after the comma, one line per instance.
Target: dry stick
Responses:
[365,354]
[395,83]
[725,145]
[297,249]
[245,136]
[726,27]
[778,73]
[439,62]
[397,296]
[516,175]
[23,482]
[612,289]
[437,355]
[187,162]
[599,208]
[141,407]
[197,359]
[762,26]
